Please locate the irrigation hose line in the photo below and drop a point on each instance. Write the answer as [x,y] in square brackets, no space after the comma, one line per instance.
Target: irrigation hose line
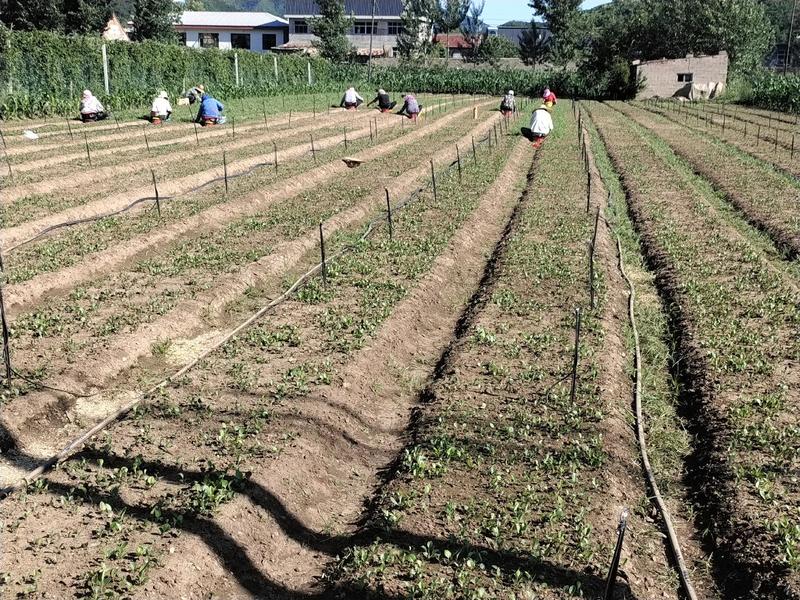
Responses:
[683,572]
[672,536]
[65,224]
[142,396]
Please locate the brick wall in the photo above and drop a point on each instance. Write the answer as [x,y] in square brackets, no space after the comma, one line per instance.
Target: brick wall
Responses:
[661,76]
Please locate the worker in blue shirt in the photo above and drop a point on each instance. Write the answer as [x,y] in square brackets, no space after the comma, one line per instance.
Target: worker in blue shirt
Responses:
[210,112]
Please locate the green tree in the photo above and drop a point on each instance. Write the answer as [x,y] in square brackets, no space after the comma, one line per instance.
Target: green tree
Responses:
[450,15]
[194,5]
[474,30]
[331,29]
[86,16]
[32,14]
[564,20]
[414,41]
[533,44]
[494,47]
[155,20]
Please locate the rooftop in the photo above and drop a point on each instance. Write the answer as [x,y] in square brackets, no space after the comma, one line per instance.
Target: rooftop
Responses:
[244,20]
[361,8]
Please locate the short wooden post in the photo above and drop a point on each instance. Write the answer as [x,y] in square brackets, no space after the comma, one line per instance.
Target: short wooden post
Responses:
[389,215]
[155,189]
[88,153]
[313,149]
[433,180]
[474,151]
[69,128]
[225,169]
[196,135]
[4,322]
[146,141]
[275,156]
[322,256]
[458,158]
[575,356]
[345,137]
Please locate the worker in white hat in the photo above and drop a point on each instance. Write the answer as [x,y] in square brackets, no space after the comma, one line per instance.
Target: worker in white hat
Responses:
[91,108]
[508,104]
[161,110]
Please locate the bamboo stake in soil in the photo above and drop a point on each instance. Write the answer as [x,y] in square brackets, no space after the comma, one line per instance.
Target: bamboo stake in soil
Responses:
[4,322]
[575,356]
[313,150]
[322,255]
[612,572]
[88,154]
[3,139]
[458,158]
[225,169]
[275,156]
[345,137]
[146,141]
[474,151]
[196,135]
[155,187]
[433,180]
[389,215]
[69,128]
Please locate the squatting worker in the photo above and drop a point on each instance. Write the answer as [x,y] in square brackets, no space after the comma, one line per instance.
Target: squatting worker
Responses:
[549,98]
[411,107]
[91,108]
[385,103]
[210,112]
[351,100]
[508,105]
[541,126]
[161,110]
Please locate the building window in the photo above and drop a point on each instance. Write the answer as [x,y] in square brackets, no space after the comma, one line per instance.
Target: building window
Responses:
[182,38]
[685,77]
[300,27]
[395,28]
[240,41]
[268,40]
[209,40]
[363,27]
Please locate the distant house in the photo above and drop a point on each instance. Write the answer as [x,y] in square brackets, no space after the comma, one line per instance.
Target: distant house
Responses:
[115,31]
[457,46]
[686,77]
[384,36]
[256,31]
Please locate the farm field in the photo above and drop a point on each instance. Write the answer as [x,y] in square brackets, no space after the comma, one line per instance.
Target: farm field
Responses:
[450,403]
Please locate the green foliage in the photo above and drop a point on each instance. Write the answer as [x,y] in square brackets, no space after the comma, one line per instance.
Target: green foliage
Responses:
[564,20]
[474,30]
[533,45]
[86,16]
[28,15]
[331,28]
[414,41]
[154,20]
[493,48]
[770,90]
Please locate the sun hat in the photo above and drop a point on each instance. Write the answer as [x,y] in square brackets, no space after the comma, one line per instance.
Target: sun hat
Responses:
[164,95]
[510,92]
[87,93]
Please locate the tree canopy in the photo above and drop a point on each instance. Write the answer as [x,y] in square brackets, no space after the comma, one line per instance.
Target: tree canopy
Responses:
[331,29]
[154,20]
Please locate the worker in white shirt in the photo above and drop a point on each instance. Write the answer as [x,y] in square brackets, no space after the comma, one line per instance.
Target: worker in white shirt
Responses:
[541,126]
[351,100]
[161,110]
[91,108]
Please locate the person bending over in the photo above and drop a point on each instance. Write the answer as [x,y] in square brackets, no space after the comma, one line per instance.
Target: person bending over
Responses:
[210,112]
[351,100]
[411,108]
[541,126]
[385,103]
[161,110]
[91,108]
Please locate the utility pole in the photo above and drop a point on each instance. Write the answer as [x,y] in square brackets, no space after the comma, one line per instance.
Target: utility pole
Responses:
[371,35]
[791,35]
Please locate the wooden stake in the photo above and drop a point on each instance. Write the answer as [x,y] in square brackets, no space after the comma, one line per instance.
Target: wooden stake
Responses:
[196,135]
[345,137]
[225,169]
[275,156]
[458,157]
[88,154]
[389,215]
[313,150]
[575,355]
[322,254]
[69,128]
[4,322]
[474,151]
[146,141]
[155,188]
[433,180]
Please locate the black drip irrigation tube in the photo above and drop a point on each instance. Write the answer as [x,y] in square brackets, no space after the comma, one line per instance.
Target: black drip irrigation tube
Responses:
[672,536]
[78,442]
[158,199]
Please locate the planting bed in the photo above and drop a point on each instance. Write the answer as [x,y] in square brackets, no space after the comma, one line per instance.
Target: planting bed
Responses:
[200,409]
[735,319]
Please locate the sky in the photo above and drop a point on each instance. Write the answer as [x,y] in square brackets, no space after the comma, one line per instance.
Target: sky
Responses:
[497,12]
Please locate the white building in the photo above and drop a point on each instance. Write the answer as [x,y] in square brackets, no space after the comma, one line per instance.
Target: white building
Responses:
[387,24]
[256,31]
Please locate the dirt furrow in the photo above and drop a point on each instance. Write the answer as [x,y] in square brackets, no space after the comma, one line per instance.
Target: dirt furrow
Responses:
[188,320]
[185,134]
[212,218]
[766,199]
[315,483]
[174,187]
[732,371]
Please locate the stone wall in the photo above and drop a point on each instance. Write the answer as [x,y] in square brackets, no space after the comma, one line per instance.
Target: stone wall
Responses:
[662,77]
